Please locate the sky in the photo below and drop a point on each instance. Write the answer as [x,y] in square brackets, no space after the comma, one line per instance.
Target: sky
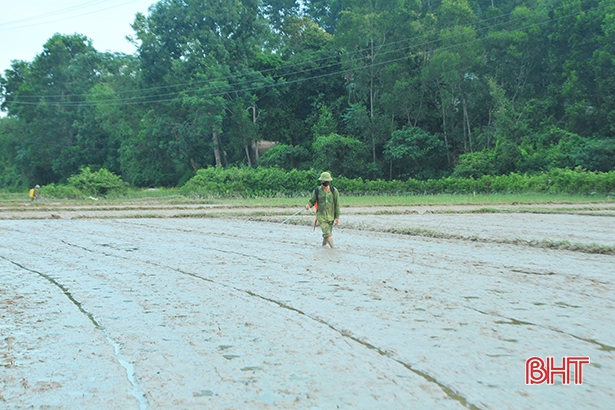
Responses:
[25,25]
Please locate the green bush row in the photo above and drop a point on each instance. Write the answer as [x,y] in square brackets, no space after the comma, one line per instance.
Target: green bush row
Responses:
[249,182]
[270,182]
[87,183]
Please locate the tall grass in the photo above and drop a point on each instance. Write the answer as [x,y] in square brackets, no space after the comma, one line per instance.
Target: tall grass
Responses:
[275,187]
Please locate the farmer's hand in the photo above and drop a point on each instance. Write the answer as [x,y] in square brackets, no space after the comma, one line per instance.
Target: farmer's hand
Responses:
[307,206]
[337,221]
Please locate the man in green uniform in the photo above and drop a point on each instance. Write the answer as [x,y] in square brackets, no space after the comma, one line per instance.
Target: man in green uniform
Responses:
[327,201]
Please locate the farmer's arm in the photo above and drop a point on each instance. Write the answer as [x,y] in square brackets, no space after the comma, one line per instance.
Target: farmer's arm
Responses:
[336,201]
[312,201]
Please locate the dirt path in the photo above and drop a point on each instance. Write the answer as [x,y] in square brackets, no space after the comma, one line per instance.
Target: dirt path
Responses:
[223,313]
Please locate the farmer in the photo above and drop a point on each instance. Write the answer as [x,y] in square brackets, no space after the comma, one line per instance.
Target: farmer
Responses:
[327,201]
[34,193]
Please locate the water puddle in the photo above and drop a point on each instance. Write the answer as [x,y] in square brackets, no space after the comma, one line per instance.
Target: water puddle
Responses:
[130,373]
[533,273]
[251,369]
[493,386]
[125,248]
[566,305]
[203,393]
[513,322]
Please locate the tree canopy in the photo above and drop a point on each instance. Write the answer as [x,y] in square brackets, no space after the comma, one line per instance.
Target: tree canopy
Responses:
[363,88]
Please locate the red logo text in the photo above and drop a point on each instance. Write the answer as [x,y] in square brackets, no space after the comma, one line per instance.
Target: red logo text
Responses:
[538,371]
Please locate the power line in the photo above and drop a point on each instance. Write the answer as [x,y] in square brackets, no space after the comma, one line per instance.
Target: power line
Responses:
[50,14]
[11,24]
[194,83]
[335,57]
[158,98]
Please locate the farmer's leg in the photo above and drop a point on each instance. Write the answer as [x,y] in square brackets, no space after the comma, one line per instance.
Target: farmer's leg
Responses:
[330,241]
[327,231]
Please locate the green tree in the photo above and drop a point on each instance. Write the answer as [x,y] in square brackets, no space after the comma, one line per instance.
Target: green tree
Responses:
[204,50]
[46,95]
[415,153]
[285,156]
[573,37]
[510,129]
[326,13]
[306,51]
[114,104]
[338,154]
[326,123]
[372,34]
[453,76]
[12,133]
[95,144]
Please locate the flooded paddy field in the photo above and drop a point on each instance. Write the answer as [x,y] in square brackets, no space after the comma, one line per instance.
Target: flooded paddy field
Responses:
[413,309]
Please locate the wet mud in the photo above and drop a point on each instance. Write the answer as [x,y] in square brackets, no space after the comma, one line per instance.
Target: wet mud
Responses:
[235,313]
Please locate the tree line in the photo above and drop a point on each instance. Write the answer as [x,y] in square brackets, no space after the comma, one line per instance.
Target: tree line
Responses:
[371,89]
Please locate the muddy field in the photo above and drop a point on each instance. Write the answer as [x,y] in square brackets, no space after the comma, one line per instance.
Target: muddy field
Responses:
[225,309]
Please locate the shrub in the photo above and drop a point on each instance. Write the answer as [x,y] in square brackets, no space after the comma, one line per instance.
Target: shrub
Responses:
[476,164]
[249,182]
[98,183]
[60,191]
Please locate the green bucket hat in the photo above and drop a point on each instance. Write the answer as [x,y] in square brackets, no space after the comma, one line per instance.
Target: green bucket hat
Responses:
[325,176]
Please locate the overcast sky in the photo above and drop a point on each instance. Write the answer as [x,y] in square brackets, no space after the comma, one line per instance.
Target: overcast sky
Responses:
[25,25]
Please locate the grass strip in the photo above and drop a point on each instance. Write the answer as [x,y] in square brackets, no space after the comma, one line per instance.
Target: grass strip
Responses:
[170,197]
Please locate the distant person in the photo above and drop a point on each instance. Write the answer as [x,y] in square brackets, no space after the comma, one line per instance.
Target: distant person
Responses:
[34,193]
[326,199]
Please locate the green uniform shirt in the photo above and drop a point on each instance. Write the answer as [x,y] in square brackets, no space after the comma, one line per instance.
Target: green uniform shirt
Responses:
[328,204]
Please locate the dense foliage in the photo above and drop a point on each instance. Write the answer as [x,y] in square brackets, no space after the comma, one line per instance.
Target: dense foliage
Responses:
[450,90]
[271,182]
